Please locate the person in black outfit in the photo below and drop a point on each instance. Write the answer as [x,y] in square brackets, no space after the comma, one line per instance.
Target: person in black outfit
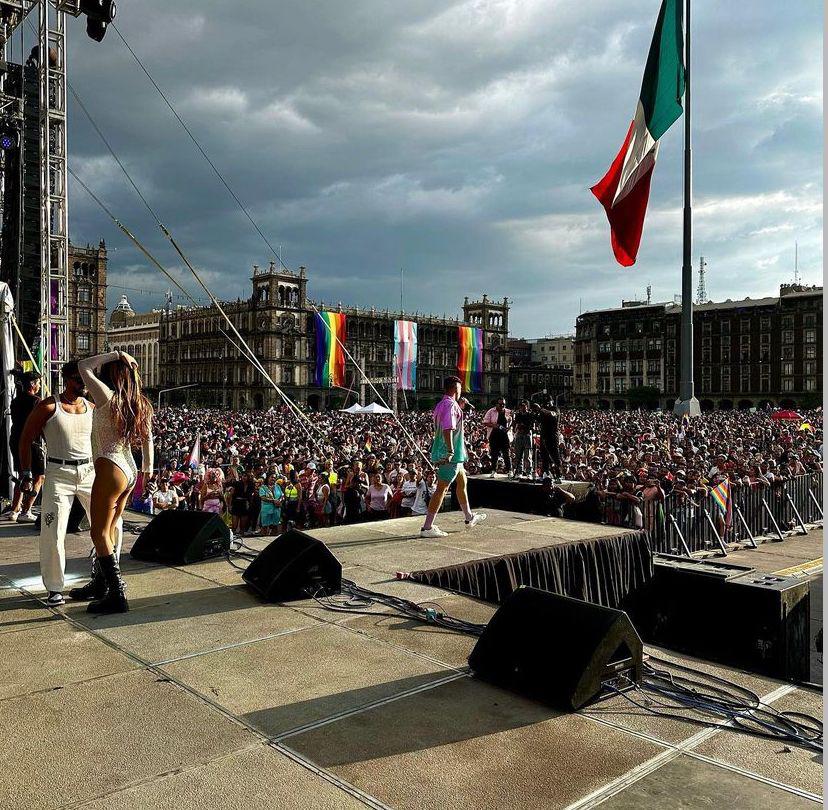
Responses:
[524,422]
[22,405]
[553,499]
[549,451]
[499,422]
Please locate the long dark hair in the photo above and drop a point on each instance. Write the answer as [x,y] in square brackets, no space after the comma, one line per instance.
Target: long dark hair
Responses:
[131,410]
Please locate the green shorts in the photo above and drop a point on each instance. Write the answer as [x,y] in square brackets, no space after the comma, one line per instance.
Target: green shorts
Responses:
[448,472]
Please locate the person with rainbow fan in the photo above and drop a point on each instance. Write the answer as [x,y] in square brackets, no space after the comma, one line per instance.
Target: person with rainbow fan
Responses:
[448,452]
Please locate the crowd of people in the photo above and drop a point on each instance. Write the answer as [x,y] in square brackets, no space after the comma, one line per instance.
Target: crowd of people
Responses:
[263,471]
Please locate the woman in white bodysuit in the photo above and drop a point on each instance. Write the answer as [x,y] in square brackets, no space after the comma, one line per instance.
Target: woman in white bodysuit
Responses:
[121,420]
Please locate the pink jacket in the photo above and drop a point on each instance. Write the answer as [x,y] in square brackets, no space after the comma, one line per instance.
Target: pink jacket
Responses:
[490,421]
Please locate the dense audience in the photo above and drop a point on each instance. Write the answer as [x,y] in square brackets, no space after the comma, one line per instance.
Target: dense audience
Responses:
[265,470]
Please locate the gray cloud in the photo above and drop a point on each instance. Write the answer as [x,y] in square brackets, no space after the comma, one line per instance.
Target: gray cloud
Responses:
[454,139]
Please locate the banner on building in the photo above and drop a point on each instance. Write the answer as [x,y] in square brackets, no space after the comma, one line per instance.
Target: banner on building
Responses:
[405,354]
[470,359]
[330,355]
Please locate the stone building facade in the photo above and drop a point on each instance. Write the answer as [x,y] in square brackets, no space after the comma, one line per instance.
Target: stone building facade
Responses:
[747,353]
[278,322]
[87,299]
[137,335]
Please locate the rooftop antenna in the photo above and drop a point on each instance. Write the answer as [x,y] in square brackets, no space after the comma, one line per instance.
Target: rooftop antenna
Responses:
[649,292]
[796,262]
[701,291]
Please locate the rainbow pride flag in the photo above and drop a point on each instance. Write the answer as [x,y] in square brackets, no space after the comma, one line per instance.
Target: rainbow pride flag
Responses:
[470,359]
[330,356]
[405,354]
[721,497]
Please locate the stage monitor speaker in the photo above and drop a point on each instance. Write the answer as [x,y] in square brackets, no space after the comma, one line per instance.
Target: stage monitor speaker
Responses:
[293,566]
[556,649]
[180,537]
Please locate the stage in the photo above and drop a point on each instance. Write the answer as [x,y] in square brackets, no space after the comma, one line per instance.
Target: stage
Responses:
[204,695]
[515,494]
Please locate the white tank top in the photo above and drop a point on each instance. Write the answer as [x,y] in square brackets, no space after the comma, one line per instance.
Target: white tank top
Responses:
[69,435]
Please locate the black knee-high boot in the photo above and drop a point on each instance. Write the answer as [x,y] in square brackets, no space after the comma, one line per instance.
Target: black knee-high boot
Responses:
[95,589]
[115,600]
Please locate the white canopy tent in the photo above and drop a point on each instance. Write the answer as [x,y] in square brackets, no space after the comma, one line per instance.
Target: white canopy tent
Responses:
[375,407]
[355,408]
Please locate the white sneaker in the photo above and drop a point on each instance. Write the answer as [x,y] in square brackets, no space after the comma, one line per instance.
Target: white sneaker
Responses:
[13,516]
[433,532]
[477,517]
[55,599]
[492,474]
[27,517]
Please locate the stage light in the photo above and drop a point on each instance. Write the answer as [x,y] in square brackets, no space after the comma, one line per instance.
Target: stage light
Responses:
[99,13]
[6,141]
[9,136]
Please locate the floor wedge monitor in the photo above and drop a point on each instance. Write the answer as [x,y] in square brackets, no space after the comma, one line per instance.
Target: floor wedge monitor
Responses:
[178,538]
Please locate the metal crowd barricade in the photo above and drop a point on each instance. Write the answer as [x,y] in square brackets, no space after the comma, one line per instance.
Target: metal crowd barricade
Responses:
[684,525]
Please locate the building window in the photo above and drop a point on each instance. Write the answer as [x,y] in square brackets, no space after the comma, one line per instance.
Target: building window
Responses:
[671,328]
[787,352]
[787,369]
[809,319]
[653,367]
[810,384]
[724,327]
[745,381]
[654,344]
[620,385]
[764,383]
[810,336]
[787,384]
[725,380]
[810,368]
[707,327]
[605,329]
[603,367]
[810,352]
[764,323]
[620,346]
[83,343]
[603,348]
[787,321]
[705,381]
[620,367]
[764,352]
[637,345]
[84,295]
[639,328]
[764,338]
[788,337]
[725,354]
[745,325]
[84,318]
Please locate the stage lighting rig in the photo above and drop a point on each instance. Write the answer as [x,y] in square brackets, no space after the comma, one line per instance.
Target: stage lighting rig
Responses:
[9,135]
[99,13]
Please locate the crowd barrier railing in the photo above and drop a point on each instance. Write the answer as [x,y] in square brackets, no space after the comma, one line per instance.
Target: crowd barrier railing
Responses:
[684,525]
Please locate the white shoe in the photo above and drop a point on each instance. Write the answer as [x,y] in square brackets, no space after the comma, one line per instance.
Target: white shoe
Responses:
[54,599]
[492,474]
[27,517]
[13,516]
[433,532]
[477,517]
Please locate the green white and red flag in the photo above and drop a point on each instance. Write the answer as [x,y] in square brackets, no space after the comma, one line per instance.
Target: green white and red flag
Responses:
[625,189]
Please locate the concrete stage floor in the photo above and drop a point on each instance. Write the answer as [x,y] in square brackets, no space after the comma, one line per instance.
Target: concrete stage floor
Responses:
[203,696]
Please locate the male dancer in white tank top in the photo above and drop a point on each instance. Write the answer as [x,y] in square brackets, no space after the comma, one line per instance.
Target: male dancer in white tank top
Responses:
[66,424]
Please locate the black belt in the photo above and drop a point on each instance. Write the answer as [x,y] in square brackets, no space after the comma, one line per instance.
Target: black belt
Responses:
[69,462]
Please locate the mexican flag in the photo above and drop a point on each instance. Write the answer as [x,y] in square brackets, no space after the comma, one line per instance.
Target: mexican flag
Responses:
[625,189]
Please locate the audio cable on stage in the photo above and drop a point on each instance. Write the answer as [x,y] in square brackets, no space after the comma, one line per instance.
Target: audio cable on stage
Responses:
[708,700]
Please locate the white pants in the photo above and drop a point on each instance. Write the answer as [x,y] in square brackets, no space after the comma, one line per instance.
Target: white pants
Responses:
[61,486]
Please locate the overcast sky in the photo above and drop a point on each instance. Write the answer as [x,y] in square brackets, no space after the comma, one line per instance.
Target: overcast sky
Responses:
[456,140]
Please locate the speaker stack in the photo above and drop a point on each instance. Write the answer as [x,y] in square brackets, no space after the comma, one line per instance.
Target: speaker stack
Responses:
[181,537]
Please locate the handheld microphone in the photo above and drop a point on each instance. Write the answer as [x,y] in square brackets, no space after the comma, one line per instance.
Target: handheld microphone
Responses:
[468,404]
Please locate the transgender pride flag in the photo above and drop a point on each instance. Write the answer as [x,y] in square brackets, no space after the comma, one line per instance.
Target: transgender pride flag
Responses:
[405,354]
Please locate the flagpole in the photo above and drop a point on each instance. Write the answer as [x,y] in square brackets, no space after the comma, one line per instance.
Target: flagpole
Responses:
[687,402]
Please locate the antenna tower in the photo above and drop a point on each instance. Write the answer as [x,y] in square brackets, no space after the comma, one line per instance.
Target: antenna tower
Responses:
[701,292]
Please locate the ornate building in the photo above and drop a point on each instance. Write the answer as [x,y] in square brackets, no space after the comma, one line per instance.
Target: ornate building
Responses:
[277,321]
[747,353]
[137,335]
[87,299]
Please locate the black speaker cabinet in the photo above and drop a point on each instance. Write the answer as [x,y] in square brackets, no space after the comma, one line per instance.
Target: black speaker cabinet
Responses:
[556,649]
[292,567]
[730,614]
[179,538]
